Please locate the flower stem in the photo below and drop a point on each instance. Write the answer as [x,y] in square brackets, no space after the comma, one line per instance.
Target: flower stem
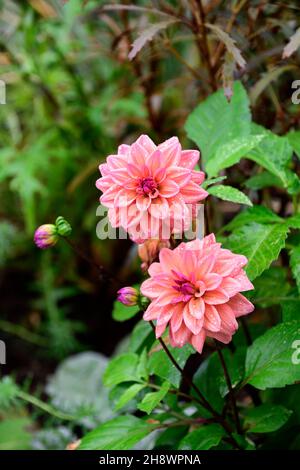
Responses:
[104,273]
[202,400]
[231,391]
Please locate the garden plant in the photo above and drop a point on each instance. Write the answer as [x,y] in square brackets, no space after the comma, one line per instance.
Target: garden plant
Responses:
[150,225]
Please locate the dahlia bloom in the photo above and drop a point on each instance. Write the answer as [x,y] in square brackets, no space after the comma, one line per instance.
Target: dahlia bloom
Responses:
[148,188]
[195,290]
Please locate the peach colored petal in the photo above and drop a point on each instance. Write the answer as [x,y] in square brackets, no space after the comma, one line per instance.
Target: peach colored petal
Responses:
[240,305]
[198,341]
[212,320]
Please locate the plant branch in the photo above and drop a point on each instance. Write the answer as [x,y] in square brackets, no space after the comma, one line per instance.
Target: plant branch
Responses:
[191,384]
[229,385]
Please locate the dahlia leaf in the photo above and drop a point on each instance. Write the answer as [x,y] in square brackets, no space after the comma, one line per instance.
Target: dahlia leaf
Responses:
[215,122]
[228,193]
[141,335]
[295,265]
[128,395]
[266,418]
[123,312]
[272,360]
[273,153]
[122,368]
[261,244]
[263,180]
[151,400]
[120,433]
[258,214]
[159,363]
[231,153]
[294,221]
[294,140]
[202,438]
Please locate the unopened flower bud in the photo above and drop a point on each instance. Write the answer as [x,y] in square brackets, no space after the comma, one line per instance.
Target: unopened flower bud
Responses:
[45,236]
[63,227]
[128,296]
[149,251]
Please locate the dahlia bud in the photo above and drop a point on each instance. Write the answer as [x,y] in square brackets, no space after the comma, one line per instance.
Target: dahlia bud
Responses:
[45,236]
[63,227]
[149,251]
[128,296]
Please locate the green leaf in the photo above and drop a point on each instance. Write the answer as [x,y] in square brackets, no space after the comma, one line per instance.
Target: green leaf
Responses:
[269,359]
[266,418]
[123,312]
[215,121]
[261,244]
[259,214]
[231,153]
[202,438]
[209,181]
[272,280]
[8,392]
[14,433]
[294,140]
[208,380]
[295,265]
[273,153]
[263,180]
[122,368]
[294,221]
[152,399]
[228,193]
[235,363]
[142,368]
[291,306]
[159,363]
[128,395]
[120,433]
[141,335]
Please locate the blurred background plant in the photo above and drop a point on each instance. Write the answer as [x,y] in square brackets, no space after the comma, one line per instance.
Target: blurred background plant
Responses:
[82,77]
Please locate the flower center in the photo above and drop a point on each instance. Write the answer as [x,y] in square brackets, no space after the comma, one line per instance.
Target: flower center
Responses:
[187,288]
[147,187]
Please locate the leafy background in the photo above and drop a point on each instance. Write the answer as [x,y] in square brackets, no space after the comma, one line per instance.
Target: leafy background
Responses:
[76,88]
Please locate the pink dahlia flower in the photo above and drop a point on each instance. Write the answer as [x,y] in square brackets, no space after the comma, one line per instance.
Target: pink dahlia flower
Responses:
[151,191]
[195,290]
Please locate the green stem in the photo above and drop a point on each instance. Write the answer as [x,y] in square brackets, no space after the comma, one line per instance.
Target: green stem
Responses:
[230,389]
[23,333]
[219,418]
[44,406]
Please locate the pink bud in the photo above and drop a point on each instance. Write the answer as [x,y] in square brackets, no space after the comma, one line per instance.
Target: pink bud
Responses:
[45,236]
[149,251]
[128,296]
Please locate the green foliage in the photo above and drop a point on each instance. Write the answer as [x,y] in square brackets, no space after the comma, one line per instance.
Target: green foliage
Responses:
[269,359]
[14,433]
[151,400]
[202,438]
[261,244]
[121,433]
[161,365]
[295,265]
[228,193]
[123,312]
[123,368]
[73,97]
[215,122]
[266,418]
